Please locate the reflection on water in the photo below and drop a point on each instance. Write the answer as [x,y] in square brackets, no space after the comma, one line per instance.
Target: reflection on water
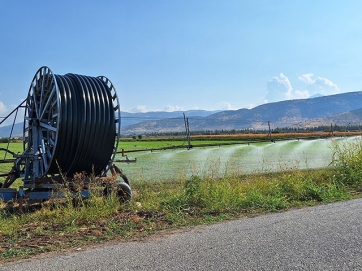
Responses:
[243,159]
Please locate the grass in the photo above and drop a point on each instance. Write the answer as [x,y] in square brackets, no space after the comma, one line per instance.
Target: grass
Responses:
[196,140]
[57,224]
[145,144]
[16,147]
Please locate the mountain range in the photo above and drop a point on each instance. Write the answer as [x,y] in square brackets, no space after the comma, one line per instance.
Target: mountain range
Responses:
[339,109]
[134,118]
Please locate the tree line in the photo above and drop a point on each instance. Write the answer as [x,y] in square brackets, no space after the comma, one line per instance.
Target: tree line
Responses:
[331,128]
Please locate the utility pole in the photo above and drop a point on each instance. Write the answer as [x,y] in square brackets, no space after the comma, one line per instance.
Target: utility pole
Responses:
[187,127]
[269,134]
[332,129]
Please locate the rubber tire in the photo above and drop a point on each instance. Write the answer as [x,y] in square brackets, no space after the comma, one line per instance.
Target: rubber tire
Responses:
[124,192]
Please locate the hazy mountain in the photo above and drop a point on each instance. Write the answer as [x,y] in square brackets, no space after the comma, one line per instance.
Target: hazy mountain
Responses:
[17,131]
[126,119]
[350,118]
[133,118]
[278,114]
[340,109]
[316,96]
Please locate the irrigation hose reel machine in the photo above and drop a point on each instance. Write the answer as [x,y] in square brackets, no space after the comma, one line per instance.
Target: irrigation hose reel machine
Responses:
[71,125]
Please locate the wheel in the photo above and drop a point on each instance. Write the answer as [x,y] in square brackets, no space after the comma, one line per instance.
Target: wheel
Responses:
[41,121]
[117,111]
[124,192]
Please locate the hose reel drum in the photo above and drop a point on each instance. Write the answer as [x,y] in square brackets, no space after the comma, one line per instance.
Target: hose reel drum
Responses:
[71,125]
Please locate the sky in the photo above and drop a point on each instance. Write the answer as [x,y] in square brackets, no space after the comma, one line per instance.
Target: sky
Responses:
[168,55]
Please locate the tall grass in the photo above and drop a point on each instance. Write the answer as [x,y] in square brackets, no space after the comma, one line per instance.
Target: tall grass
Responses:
[255,193]
[65,214]
[347,162]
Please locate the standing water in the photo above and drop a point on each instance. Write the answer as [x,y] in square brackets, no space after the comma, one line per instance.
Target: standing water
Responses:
[236,159]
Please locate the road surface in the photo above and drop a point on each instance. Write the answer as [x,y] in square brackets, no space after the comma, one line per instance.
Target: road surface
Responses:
[326,237]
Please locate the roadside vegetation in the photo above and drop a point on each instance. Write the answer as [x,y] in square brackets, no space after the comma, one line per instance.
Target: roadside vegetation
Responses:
[61,224]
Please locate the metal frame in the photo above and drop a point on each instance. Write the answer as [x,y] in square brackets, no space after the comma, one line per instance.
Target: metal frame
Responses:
[62,113]
[41,124]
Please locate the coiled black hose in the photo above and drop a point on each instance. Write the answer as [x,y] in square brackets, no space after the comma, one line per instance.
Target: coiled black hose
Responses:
[86,127]
[71,122]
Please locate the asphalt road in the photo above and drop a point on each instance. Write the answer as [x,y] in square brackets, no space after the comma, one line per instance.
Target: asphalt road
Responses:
[326,237]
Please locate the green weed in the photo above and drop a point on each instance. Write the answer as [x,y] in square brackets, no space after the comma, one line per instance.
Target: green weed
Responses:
[347,163]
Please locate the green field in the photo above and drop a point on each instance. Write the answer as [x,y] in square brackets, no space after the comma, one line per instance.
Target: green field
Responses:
[16,147]
[155,144]
[167,165]
[216,161]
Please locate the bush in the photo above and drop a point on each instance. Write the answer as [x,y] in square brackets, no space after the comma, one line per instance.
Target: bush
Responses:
[347,162]
[190,199]
[4,140]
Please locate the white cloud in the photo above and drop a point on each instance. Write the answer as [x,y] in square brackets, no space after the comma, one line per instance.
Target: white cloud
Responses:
[171,108]
[319,85]
[10,120]
[278,89]
[250,106]
[226,106]
[144,109]
[327,84]
[2,109]
[299,94]
[306,78]
[139,109]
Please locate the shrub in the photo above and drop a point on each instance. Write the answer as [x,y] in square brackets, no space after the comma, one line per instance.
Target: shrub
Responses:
[347,163]
[4,140]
